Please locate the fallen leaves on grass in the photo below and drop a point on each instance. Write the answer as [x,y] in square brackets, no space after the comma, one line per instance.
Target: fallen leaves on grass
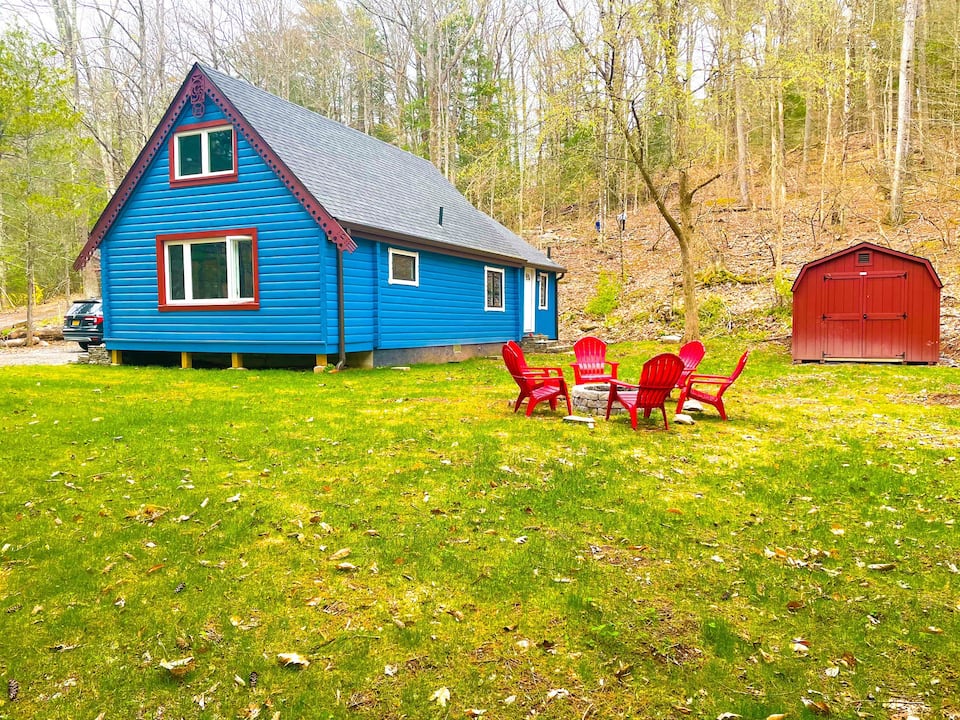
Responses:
[147,513]
[179,668]
[341,554]
[440,696]
[818,707]
[292,660]
[247,624]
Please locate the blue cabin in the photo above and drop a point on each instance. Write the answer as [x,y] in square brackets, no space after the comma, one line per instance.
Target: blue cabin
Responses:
[249,225]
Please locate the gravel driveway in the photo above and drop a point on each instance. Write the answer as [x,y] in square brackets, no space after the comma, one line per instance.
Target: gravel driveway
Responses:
[52,353]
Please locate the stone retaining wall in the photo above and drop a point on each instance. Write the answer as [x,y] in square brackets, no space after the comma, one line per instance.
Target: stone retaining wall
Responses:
[95,355]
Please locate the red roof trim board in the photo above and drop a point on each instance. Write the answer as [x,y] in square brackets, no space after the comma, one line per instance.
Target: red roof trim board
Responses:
[194,89]
[868,246]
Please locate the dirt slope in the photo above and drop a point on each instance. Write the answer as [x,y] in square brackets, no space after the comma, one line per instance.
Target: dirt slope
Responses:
[740,243]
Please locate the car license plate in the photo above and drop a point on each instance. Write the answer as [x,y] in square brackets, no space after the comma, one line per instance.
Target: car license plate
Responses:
[75,323]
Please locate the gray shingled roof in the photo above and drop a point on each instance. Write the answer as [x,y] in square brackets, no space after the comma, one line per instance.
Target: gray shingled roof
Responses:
[366,182]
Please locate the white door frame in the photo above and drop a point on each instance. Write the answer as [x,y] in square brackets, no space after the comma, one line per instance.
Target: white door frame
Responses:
[529,300]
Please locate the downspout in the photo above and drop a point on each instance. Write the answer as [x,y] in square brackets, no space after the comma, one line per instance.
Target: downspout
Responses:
[341,330]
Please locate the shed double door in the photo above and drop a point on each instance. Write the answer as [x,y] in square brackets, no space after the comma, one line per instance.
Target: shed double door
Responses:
[864,315]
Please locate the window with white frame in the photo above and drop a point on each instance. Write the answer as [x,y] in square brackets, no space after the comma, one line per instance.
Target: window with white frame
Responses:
[207,270]
[544,292]
[404,267]
[493,295]
[200,152]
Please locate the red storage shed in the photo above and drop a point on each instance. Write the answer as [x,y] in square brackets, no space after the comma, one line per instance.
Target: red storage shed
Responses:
[867,303]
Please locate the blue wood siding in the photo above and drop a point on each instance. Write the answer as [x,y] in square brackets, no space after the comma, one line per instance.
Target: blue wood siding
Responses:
[297,271]
[359,292]
[546,320]
[446,308]
[291,256]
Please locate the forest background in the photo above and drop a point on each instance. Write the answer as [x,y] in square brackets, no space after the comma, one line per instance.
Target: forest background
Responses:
[740,138]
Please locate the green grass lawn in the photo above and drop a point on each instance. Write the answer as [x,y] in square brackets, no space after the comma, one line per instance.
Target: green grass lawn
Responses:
[406,533]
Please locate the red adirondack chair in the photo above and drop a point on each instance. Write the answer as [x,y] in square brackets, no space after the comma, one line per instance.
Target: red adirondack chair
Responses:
[536,383]
[715,398]
[657,380]
[591,364]
[691,354]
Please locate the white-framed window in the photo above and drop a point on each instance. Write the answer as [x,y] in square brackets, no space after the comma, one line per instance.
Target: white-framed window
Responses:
[404,267]
[493,289]
[201,151]
[207,269]
[543,291]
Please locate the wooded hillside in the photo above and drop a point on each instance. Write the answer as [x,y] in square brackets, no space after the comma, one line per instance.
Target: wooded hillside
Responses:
[741,137]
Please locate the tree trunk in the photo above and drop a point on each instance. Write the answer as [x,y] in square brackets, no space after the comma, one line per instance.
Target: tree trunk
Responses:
[743,177]
[3,263]
[30,287]
[903,111]
[827,148]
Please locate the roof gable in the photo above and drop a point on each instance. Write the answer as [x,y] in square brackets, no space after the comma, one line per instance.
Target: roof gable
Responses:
[367,186]
[195,89]
[371,186]
[868,246]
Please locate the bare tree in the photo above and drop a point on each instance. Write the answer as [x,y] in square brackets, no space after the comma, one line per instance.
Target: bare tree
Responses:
[903,111]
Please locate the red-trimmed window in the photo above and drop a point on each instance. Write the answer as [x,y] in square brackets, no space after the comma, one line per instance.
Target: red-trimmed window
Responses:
[203,153]
[208,270]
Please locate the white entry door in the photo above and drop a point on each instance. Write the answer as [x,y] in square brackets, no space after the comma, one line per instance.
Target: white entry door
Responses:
[529,300]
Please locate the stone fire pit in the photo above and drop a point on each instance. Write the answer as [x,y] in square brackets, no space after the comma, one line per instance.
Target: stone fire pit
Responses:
[591,399]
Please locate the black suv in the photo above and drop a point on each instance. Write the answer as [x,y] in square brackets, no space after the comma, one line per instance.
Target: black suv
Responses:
[84,323]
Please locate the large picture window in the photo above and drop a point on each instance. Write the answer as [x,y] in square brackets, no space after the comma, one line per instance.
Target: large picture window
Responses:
[404,267]
[493,289]
[215,270]
[203,153]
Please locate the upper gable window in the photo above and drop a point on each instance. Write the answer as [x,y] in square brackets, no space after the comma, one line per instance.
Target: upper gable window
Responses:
[404,267]
[203,153]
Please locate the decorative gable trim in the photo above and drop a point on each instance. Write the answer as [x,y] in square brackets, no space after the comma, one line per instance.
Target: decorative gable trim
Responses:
[194,90]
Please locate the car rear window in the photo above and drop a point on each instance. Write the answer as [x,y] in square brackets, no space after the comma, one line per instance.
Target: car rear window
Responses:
[84,308]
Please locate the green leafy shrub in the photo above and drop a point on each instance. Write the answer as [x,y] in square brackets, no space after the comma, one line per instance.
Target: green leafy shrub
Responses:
[783,305]
[608,295]
[713,312]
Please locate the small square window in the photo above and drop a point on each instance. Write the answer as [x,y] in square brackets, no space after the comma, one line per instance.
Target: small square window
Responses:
[494,289]
[202,154]
[404,267]
[544,292]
